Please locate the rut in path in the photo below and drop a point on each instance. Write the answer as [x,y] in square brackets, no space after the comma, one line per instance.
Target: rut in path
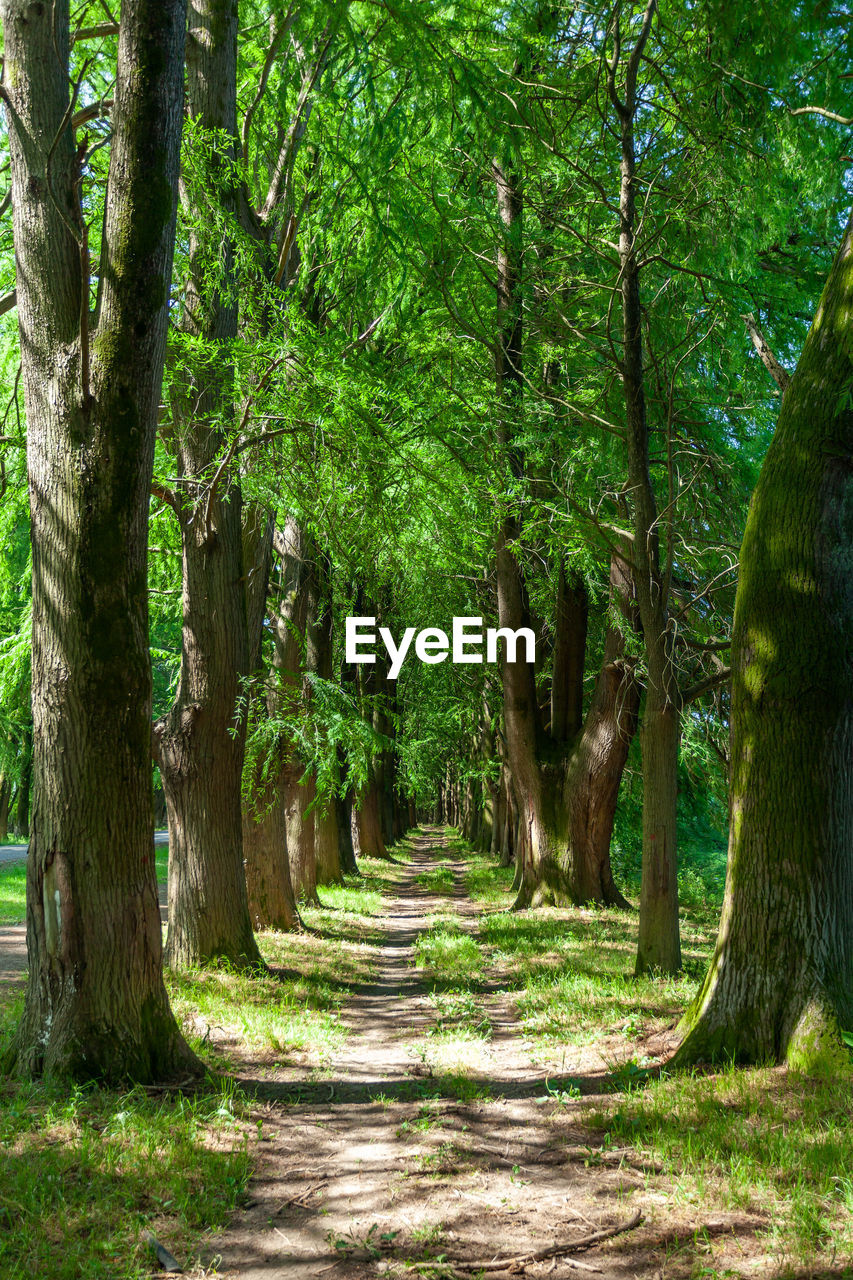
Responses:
[380,1147]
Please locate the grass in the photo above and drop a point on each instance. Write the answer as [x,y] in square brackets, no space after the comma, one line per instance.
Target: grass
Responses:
[573,969]
[760,1141]
[292,1013]
[13,893]
[84,1173]
[752,1141]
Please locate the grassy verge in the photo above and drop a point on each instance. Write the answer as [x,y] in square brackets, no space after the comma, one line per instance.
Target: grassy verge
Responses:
[84,1172]
[747,1141]
[291,1015]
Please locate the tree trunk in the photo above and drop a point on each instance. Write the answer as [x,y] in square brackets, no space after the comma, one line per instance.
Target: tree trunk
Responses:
[200,743]
[569,656]
[346,852]
[5,796]
[780,984]
[25,779]
[599,757]
[369,824]
[659,945]
[298,793]
[96,1006]
[272,903]
[319,662]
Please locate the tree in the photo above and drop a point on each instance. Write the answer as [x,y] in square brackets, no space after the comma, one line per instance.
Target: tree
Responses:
[199,744]
[780,983]
[96,1005]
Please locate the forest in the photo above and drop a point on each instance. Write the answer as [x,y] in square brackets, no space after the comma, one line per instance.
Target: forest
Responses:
[426,639]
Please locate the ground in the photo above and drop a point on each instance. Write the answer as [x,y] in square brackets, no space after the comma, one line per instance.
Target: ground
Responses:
[429,1085]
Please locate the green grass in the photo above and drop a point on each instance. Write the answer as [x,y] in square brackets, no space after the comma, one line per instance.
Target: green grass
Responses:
[572,969]
[84,1172]
[294,1011]
[13,893]
[751,1141]
[761,1141]
[449,958]
[437,880]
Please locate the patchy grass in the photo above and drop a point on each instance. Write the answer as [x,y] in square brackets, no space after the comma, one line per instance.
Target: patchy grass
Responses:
[293,1012]
[438,879]
[84,1172]
[573,969]
[449,958]
[762,1142]
[759,1141]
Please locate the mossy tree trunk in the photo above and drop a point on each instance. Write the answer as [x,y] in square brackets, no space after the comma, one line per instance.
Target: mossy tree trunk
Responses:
[780,984]
[96,1006]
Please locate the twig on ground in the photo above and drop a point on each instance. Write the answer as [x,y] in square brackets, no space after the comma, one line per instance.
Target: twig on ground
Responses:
[553,1251]
[301,1195]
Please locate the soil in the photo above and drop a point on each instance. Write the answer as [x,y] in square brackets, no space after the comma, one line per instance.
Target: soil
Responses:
[375,1164]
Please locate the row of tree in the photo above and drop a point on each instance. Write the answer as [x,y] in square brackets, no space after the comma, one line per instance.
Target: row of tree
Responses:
[421,312]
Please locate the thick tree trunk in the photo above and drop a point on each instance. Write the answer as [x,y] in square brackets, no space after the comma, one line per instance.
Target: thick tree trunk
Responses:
[96,1006]
[569,656]
[599,756]
[298,793]
[780,984]
[346,851]
[200,743]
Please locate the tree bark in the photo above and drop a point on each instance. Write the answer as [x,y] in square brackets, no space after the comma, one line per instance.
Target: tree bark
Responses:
[268,888]
[200,743]
[569,654]
[272,901]
[318,661]
[658,945]
[25,781]
[598,759]
[780,984]
[96,1006]
[5,796]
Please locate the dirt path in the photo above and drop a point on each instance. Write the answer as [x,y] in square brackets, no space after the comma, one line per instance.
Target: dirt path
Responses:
[381,1162]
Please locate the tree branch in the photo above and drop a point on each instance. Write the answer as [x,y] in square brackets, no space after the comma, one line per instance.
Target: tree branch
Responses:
[706,686]
[822,111]
[779,375]
[94,33]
